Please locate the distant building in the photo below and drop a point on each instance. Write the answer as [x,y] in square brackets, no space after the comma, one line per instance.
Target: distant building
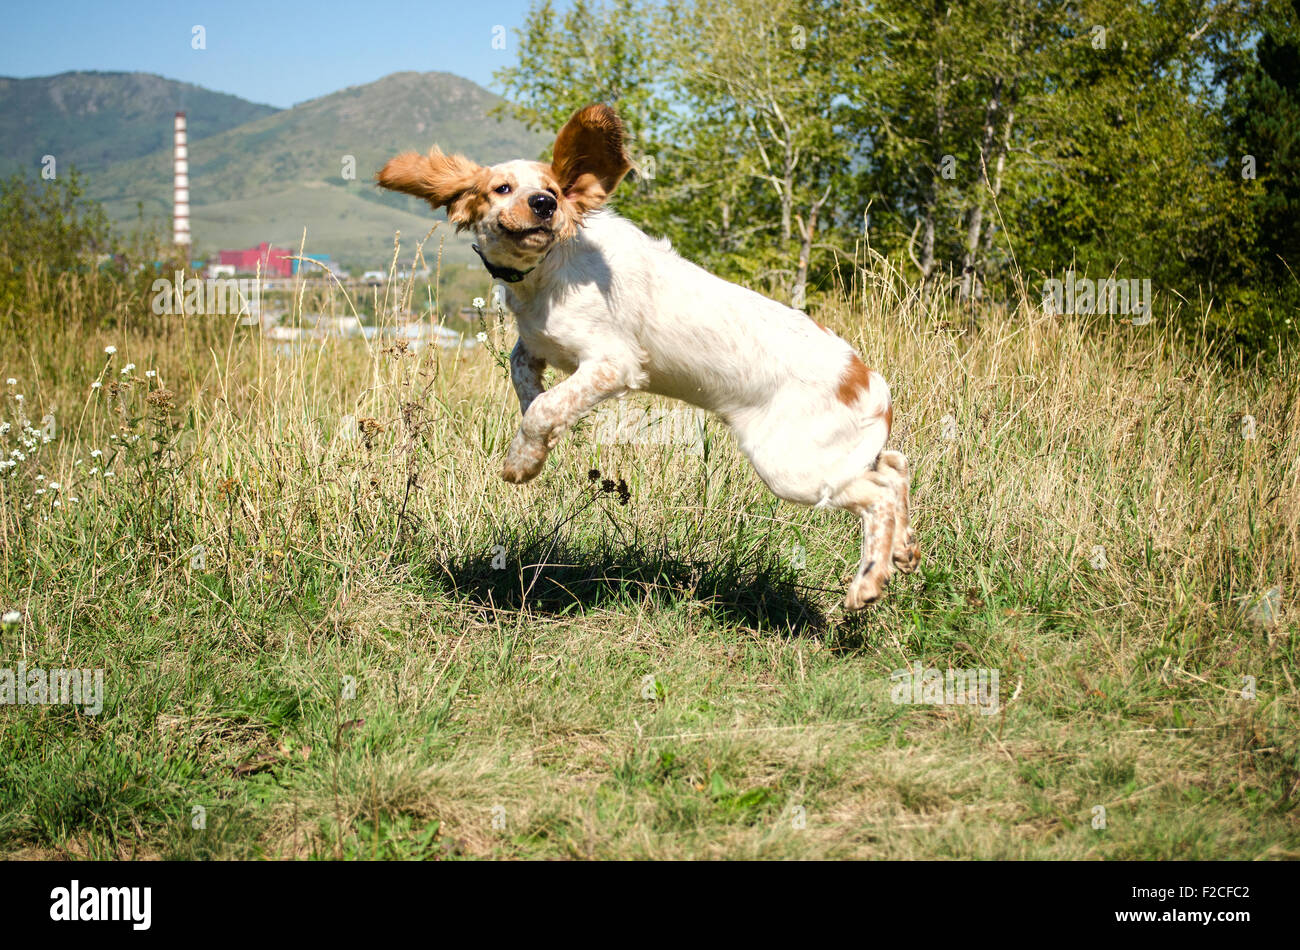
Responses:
[273,261]
[374,277]
[311,270]
[221,270]
[158,266]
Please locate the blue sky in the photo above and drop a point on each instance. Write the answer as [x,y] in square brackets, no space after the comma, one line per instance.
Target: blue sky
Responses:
[270,51]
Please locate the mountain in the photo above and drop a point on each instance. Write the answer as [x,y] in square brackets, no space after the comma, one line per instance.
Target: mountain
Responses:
[93,120]
[267,179]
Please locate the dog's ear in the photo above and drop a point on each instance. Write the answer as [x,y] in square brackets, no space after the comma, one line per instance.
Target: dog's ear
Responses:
[589,159]
[442,180]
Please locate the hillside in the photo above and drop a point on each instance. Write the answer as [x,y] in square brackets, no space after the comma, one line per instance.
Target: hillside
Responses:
[271,177]
[95,119]
[352,230]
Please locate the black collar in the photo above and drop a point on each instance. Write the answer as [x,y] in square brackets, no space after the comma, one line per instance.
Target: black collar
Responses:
[509,274]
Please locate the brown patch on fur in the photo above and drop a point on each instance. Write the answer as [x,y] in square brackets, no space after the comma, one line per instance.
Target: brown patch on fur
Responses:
[450,181]
[889,419]
[589,159]
[855,381]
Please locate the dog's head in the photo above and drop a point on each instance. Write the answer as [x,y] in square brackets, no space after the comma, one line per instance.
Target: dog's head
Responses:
[518,210]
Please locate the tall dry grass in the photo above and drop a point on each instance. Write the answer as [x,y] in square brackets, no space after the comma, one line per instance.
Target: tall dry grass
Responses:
[277,520]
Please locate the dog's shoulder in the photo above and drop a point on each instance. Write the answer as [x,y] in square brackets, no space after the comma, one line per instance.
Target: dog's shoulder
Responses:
[615,232]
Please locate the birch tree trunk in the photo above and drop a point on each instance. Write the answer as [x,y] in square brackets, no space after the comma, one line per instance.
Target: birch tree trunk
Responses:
[799,289]
[975,222]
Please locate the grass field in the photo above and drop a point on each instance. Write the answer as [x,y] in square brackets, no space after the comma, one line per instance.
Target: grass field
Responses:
[348,638]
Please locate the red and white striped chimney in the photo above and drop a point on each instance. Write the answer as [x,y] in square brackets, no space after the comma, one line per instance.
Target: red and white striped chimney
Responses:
[181,185]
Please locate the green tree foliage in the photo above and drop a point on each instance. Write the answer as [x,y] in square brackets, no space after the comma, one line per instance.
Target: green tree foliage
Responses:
[973,143]
[59,257]
[50,223]
[1262,105]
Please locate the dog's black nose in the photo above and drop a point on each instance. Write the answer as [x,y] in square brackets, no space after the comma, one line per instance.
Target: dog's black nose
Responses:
[543,204]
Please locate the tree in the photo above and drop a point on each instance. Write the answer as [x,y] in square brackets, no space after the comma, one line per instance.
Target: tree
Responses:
[1263,114]
[47,224]
[988,139]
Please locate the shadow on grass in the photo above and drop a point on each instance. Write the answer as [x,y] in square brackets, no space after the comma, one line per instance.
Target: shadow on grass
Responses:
[559,575]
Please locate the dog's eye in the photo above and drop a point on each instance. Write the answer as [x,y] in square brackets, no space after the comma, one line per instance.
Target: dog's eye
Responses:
[503,189]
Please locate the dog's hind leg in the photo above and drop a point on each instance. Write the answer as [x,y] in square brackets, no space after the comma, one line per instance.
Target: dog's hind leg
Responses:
[906,554]
[874,499]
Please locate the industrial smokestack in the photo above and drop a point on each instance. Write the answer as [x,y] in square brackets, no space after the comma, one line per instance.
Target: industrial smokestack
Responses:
[181,185]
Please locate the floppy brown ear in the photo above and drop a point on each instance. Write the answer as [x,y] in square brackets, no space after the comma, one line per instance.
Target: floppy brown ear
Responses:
[442,180]
[589,159]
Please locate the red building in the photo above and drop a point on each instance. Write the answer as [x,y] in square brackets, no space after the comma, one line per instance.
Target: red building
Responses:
[273,261]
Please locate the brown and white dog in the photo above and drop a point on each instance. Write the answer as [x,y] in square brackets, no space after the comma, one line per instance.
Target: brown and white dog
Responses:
[619,311]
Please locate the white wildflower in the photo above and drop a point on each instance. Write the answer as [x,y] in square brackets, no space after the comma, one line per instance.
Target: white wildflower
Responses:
[479,302]
[110,349]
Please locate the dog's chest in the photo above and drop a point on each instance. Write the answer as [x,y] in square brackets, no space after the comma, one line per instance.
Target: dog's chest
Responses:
[546,336]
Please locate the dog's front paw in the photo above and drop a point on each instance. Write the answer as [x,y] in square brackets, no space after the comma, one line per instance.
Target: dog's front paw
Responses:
[524,461]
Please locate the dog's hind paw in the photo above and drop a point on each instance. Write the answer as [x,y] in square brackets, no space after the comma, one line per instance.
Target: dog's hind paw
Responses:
[907,556]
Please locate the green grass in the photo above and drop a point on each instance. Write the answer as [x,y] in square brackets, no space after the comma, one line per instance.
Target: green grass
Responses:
[657,679]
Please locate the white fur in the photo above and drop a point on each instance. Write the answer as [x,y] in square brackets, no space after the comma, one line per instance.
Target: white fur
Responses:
[613,295]
[621,311]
